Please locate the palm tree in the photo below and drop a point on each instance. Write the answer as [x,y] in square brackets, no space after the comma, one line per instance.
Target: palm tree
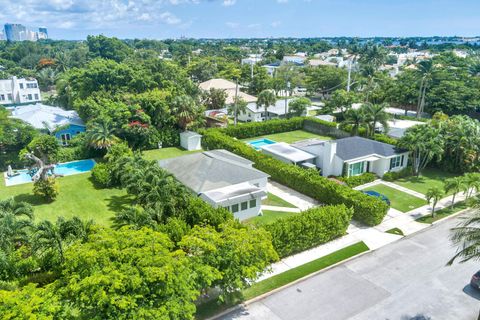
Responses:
[453,184]
[266,98]
[101,135]
[425,70]
[376,113]
[356,118]
[185,110]
[133,216]
[239,106]
[47,78]
[466,236]
[15,223]
[433,195]
[471,181]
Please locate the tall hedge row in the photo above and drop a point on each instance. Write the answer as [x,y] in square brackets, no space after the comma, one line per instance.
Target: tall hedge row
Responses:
[255,129]
[367,209]
[308,229]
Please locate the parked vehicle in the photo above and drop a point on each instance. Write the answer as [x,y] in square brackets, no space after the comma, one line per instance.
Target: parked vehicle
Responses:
[475,281]
[378,195]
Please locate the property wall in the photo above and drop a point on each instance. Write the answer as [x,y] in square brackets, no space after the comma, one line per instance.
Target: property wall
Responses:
[314,127]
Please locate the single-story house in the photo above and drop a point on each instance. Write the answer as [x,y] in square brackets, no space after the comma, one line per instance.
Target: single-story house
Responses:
[64,124]
[284,152]
[354,155]
[222,179]
[397,127]
[229,87]
[254,114]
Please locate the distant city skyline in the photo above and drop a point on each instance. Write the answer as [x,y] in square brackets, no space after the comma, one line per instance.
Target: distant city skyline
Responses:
[160,19]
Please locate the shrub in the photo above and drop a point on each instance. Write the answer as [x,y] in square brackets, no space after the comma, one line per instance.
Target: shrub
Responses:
[117,151]
[385,139]
[356,181]
[392,176]
[308,229]
[254,129]
[102,175]
[368,210]
[46,188]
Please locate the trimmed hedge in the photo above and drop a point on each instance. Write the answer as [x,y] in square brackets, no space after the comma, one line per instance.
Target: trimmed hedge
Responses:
[368,210]
[356,181]
[308,229]
[392,176]
[255,129]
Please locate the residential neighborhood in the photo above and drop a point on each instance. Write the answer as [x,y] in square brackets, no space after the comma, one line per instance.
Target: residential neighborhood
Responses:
[240,160]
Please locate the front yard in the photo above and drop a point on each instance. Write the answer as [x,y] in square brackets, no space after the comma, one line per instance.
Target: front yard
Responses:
[399,200]
[428,179]
[269,217]
[290,137]
[273,200]
[166,153]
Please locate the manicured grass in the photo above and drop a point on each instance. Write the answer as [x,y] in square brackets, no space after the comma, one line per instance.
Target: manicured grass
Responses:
[428,179]
[77,197]
[273,200]
[399,200]
[290,137]
[269,217]
[214,307]
[445,212]
[396,231]
[165,153]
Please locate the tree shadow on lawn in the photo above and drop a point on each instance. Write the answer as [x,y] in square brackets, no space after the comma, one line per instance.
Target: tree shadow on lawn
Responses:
[119,203]
[34,200]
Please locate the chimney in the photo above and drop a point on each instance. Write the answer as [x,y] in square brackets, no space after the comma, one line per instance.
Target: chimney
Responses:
[328,156]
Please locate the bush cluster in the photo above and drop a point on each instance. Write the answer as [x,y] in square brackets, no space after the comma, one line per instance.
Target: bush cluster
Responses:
[308,229]
[255,129]
[46,188]
[392,176]
[356,181]
[368,210]
[101,175]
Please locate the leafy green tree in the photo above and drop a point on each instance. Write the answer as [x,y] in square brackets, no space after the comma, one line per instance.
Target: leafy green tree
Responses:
[108,48]
[298,106]
[47,188]
[324,79]
[45,147]
[266,98]
[424,143]
[215,98]
[101,134]
[455,185]
[239,106]
[432,196]
[15,223]
[342,100]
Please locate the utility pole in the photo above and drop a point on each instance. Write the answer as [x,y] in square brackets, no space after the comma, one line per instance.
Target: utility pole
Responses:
[349,74]
[235,103]
[251,71]
[286,98]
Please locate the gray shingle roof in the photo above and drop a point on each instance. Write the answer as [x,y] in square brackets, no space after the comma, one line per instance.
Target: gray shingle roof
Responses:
[356,147]
[209,170]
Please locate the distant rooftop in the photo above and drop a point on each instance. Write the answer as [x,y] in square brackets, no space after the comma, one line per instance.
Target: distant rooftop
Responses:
[41,116]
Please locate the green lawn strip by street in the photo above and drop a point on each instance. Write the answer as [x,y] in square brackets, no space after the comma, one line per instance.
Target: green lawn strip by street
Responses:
[166,153]
[213,307]
[428,179]
[445,212]
[77,197]
[290,137]
[269,217]
[396,231]
[399,200]
[273,200]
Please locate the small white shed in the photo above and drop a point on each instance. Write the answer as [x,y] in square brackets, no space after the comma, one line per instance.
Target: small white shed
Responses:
[190,140]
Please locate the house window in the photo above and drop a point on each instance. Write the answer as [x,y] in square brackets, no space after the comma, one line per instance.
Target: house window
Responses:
[21,85]
[396,162]
[253,203]
[355,169]
[30,97]
[244,205]
[2,97]
[235,208]
[36,96]
[65,138]
[9,97]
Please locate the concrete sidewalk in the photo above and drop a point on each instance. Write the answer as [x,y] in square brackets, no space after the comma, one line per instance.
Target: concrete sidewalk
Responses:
[299,200]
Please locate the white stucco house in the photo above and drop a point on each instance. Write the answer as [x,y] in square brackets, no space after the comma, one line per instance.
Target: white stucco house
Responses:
[222,179]
[19,91]
[354,155]
[230,89]
[254,114]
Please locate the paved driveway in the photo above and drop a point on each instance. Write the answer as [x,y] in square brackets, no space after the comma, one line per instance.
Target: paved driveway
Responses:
[399,281]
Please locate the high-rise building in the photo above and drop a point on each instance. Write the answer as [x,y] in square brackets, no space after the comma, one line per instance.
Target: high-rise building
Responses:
[18,32]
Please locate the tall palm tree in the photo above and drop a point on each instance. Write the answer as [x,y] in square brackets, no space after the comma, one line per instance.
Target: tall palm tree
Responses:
[376,113]
[101,135]
[185,110]
[472,182]
[15,223]
[453,184]
[466,236]
[425,71]
[356,118]
[266,98]
[46,78]
[434,195]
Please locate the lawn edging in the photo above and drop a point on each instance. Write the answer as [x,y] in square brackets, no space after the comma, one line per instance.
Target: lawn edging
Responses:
[266,294]
[449,216]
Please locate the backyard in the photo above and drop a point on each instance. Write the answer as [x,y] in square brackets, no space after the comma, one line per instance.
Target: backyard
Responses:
[428,179]
[269,217]
[78,197]
[165,153]
[399,200]
[290,137]
[273,200]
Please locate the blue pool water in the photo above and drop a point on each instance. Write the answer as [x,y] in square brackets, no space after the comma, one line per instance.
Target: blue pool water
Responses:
[66,169]
[260,142]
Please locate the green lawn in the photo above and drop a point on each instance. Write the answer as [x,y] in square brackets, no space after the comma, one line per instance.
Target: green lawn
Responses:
[273,200]
[77,197]
[445,212]
[290,137]
[396,231]
[269,216]
[428,179]
[213,307]
[399,200]
[165,153]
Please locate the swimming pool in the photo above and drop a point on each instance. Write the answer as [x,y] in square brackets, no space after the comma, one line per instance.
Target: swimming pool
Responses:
[66,169]
[257,144]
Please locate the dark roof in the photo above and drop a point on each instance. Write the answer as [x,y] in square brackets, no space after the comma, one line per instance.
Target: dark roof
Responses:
[357,147]
[210,170]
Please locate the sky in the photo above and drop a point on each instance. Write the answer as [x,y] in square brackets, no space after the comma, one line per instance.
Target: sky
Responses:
[161,19]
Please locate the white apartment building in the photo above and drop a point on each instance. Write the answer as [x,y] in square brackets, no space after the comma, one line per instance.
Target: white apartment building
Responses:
[19,91]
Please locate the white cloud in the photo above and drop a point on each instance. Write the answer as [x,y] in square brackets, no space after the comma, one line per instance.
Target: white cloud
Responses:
[169,18]
[275,24]
[232,25]
[228,3]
